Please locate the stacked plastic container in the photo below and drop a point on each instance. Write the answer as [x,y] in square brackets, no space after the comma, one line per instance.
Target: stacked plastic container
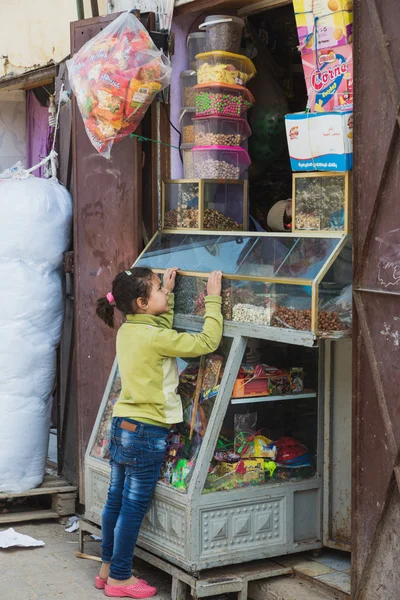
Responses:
[221,101]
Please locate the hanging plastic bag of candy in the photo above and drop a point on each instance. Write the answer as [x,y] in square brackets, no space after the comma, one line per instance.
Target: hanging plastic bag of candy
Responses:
[115,76]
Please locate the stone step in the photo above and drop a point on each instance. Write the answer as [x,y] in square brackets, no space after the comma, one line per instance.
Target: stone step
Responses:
[288,588]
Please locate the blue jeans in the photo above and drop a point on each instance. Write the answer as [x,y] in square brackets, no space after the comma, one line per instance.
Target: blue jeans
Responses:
[135,458]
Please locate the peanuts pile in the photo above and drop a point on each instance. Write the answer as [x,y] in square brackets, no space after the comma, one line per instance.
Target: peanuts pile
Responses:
[188,134]
[189,96]
[218,139]
[305,221]
[189,218]
[301,320]
[246,313]
[216,169]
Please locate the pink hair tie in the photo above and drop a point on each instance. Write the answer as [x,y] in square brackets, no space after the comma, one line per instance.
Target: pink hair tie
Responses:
[110,298]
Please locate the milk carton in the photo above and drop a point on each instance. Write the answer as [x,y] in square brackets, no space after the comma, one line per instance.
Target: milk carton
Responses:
[329,79]
[323,23]
[320,141]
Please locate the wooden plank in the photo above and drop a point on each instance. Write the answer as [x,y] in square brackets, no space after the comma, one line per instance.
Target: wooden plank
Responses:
[51,485]
[242,6]
[33,515]
[29,80]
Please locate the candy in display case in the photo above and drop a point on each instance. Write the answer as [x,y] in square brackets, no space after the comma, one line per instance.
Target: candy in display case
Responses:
[321,202]
[205,204]
[269,280]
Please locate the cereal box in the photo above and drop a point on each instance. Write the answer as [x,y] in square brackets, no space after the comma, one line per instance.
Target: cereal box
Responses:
[329,79]
[323,23]
[320,141]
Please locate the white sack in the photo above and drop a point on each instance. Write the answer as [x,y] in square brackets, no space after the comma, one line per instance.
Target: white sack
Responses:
[35,229]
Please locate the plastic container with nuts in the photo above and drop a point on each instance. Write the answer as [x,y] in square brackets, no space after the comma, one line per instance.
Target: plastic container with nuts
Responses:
[220,131]
[220,162]
[217,100]
[196,44]
[188,82]
[225,68]
[187,125]
[188,161]
[223,32]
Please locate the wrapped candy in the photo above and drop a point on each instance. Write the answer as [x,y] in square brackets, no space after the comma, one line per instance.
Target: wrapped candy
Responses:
[115,76]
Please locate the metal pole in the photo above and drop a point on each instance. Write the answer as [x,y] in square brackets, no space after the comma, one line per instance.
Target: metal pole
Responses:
[80,10]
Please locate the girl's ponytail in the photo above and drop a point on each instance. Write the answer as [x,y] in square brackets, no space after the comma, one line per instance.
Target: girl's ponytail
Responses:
[127,287]
[105,309]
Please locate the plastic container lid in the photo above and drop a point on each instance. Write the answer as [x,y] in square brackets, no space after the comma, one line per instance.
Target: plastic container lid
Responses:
[187,111]
[196,34]
[187,146]
[217,19]
[188,73]
[227,86]
[247,65]
[245,127]
[243,155]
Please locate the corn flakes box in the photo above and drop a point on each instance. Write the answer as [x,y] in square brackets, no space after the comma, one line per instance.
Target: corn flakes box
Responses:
[329,79]
[323,24]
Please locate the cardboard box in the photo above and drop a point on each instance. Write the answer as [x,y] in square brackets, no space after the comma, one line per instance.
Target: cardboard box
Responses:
[329,79]
[323,23]
[320,141]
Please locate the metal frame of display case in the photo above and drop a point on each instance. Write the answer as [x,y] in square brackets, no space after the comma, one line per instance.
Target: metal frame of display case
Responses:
[347,175]
[201,183]
[312,283]
[198,531]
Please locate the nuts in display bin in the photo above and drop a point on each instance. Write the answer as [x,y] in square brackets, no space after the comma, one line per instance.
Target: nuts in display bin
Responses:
[188,134]
[218,139]
[220,162]
[247,313]
[216,169]
[213,99]
[189,218]
[301,320]
[305,221]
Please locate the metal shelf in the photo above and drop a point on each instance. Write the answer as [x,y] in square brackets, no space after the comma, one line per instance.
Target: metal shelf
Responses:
[255,399]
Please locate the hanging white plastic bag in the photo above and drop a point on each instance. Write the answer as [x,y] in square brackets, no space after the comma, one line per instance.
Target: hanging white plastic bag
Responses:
[35,230]
[115,77]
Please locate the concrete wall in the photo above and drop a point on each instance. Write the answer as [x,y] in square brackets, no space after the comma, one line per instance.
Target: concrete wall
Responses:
[12,128]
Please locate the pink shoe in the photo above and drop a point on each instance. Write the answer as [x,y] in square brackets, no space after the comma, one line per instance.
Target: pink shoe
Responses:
[140,589]
[100,583]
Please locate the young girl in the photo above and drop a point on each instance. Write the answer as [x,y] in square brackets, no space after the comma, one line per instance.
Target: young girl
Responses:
[147,348]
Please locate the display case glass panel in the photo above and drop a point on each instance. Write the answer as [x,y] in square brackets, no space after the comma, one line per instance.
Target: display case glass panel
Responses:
[205,204]
[335,296]
[242,255]
[270,431]
[100,446]
[181,205]
[184,446]
[321,201]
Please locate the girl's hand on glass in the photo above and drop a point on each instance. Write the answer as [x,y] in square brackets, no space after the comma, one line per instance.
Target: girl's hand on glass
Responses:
[169,279]
[214,283]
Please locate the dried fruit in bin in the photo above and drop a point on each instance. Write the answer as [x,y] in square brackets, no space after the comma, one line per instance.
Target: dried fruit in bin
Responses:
[115,76]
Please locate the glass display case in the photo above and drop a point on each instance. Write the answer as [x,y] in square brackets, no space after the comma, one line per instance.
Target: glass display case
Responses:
[242,476]
[204,204]
[321,202]
[278,281]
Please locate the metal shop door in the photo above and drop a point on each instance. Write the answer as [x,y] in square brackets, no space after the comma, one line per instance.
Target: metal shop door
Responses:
[376,341]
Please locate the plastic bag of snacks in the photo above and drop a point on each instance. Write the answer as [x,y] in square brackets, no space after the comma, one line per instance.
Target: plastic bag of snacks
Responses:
[115,77]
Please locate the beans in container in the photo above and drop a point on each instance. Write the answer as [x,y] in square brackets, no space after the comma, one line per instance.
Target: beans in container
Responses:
[219,162]
[223,32]
[220,131]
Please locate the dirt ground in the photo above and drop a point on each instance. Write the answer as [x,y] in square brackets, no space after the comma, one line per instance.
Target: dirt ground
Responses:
[54,572]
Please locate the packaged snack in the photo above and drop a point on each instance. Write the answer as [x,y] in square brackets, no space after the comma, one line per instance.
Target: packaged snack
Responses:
[115,77]
[320,141]
[323,23]
[329,79]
